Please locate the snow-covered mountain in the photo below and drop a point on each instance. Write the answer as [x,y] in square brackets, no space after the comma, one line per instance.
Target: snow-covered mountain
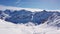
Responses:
[25,16]
[48,27]
[29,21]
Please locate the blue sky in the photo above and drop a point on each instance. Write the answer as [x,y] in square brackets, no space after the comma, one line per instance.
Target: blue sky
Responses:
[42,4]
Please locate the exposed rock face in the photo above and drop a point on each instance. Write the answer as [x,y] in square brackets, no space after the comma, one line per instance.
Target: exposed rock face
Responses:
[20,17]
[24,16]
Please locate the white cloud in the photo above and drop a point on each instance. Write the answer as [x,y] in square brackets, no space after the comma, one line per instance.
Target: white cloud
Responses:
[18,2]
[2,7]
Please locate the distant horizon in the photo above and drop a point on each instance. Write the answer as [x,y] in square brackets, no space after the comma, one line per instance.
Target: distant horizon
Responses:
[19,8]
